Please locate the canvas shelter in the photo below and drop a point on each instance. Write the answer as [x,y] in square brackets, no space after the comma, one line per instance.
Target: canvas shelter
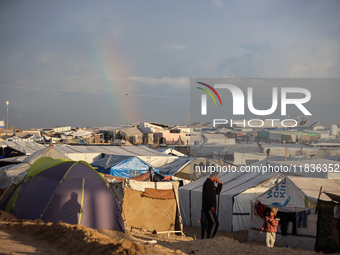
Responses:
[171,151]
[64,190]
[14,174]
[94,153]
[19,148]
[184,167]
[151,206]
[90,153]
[239,188]
[122,166]
[299,166]
[295,197]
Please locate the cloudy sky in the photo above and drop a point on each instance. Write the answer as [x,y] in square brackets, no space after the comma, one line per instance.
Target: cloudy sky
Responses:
[98,63]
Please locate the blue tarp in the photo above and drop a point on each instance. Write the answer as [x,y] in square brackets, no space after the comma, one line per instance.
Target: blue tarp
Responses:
[122,166]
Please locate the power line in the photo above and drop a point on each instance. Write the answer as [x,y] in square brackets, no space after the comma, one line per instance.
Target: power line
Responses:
[91,92]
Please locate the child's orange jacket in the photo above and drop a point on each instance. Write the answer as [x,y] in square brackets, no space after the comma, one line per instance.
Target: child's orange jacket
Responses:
[270,224]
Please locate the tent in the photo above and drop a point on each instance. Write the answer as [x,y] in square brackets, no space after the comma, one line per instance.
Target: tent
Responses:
[296,198]
[151,206]
[171,151]
[91,153]
[299,166]
[14,174]
[63,190]
[239,188]
[122,166]
[184,167]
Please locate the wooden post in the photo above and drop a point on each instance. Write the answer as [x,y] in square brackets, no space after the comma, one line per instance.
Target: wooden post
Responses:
[317,202]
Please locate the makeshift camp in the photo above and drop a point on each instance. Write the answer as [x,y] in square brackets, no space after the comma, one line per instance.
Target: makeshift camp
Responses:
[63,190]
[234,200]
[296,198]
[151,206]
[122,166]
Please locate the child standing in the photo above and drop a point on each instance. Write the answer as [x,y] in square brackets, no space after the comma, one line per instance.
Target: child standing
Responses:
[270,227]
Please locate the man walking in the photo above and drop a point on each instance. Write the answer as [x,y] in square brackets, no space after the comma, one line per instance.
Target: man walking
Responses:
[209,220]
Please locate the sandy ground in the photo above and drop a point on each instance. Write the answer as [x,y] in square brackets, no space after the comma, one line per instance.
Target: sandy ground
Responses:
[12,242]
[37,237]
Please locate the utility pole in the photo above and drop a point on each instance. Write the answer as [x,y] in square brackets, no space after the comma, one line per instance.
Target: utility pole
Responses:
[7,103]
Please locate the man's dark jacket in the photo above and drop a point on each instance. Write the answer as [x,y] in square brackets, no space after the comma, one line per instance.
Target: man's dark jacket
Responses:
[209,194]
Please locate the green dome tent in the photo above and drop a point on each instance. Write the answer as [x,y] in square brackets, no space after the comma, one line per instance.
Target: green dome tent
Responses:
[64,190]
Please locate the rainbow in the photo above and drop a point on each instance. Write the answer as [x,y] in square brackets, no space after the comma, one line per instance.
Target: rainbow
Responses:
[112,68]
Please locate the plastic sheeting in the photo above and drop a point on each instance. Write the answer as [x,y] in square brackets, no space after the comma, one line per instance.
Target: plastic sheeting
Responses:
[174,167]
[92,153]
[299,166]
[14,174]
[184,167]
[122,166]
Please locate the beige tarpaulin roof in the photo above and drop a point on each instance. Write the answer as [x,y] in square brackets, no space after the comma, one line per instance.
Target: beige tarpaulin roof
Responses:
[311,187]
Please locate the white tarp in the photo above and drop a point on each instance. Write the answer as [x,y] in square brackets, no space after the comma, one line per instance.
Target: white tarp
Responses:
[300,166]
[188,168]
[141,186]
[176,166]
[23,147]
[232,215]
[91,153]
[14,174]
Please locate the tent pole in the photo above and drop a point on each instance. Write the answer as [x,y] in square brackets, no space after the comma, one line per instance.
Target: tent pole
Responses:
[218,204]
[190,207]
[317,202]
[42,214]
